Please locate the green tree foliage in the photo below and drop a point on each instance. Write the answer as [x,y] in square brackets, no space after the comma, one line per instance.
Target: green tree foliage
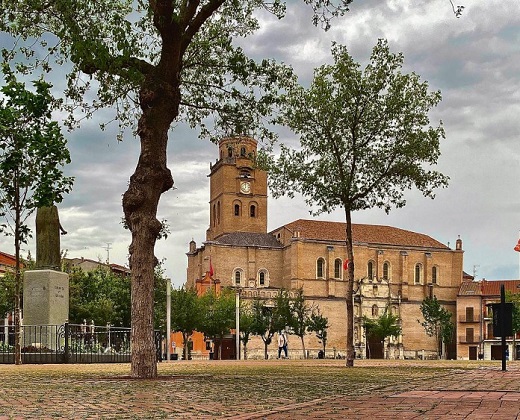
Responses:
[247,320]
[174,60]
[7,287]
[185,314]
[269,320]
[319,325]
[217,316]
[514,298]
[99,296]
[32,154]
[103,297]
[386,325]
[437,322]
[300,315]
[263,325]
[365,138]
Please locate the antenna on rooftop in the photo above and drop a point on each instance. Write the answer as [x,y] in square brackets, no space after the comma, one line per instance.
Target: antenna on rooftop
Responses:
[475,270]
[108,248]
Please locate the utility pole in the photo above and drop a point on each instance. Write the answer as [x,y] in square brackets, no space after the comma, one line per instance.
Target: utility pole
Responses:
[108,248]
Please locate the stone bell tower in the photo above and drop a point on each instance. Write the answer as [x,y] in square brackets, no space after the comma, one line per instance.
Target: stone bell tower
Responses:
[238,190]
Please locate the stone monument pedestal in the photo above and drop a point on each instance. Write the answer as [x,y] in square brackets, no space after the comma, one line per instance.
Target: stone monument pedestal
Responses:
[45,306]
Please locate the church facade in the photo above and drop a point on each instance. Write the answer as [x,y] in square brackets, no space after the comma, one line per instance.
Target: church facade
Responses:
[395,269]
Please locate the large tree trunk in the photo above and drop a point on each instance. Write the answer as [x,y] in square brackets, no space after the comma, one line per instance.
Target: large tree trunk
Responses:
[159,102]
[349,294]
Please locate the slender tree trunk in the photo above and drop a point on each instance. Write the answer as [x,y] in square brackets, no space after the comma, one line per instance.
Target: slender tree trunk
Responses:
[18,278]
[303,347]
[350,288]
[159,103]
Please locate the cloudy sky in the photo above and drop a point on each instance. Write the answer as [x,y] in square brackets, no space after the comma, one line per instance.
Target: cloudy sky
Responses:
[474,61]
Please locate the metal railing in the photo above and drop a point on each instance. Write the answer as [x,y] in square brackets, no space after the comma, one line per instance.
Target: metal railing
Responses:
[69,343]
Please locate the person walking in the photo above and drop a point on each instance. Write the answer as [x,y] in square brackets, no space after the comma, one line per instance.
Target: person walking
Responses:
[282,344]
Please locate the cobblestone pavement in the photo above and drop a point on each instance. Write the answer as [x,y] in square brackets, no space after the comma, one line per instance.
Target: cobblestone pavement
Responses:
[205,390]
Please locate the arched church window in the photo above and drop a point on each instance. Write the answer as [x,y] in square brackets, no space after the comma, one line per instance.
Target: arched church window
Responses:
[434,275]
[337,268]
[242,151]
[418,274]
[386,270]
[238,277]
[370,270]
[253,210]
[320,268]
[237,209]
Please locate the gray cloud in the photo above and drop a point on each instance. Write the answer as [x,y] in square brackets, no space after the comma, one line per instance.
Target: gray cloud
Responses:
[474,61]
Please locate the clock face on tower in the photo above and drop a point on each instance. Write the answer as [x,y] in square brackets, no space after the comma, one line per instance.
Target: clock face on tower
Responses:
[245,187]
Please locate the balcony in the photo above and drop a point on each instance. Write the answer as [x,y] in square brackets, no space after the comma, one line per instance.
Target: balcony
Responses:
[469,340]
[465,320]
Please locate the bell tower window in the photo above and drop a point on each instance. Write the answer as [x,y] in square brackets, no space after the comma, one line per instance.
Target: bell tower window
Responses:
[253,210]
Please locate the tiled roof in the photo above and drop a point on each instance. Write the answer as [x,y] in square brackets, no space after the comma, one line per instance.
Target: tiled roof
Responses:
[470,288]
[370,234]
[249,239]
[492,288]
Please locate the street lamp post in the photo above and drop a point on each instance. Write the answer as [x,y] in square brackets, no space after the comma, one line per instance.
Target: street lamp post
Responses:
[168,316]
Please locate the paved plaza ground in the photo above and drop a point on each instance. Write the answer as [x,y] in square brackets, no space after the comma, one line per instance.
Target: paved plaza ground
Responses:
[273,389]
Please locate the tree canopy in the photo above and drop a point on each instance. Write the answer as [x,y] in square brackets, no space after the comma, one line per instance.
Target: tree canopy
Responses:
[437,321]
[365,138]
[158,62]
[33,152]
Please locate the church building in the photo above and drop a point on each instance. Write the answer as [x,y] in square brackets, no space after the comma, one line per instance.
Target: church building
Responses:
[395,269]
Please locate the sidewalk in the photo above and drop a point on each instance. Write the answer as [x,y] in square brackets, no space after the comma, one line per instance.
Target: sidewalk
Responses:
[274,389]
[467,395]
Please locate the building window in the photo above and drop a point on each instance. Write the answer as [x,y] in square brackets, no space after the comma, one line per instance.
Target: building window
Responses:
[370,270]
[470,335]
[320,268]
[237,209]
[263,278]
[230,151]
[253,210]
[375,310]
[218,212]
[337,268]
[418,274]
[242,151]
[386,270]
[469,314]
[238,277]
[434,275]
[374,290]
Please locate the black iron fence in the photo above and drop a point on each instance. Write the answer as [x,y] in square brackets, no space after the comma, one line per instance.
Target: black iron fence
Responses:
[69,343]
